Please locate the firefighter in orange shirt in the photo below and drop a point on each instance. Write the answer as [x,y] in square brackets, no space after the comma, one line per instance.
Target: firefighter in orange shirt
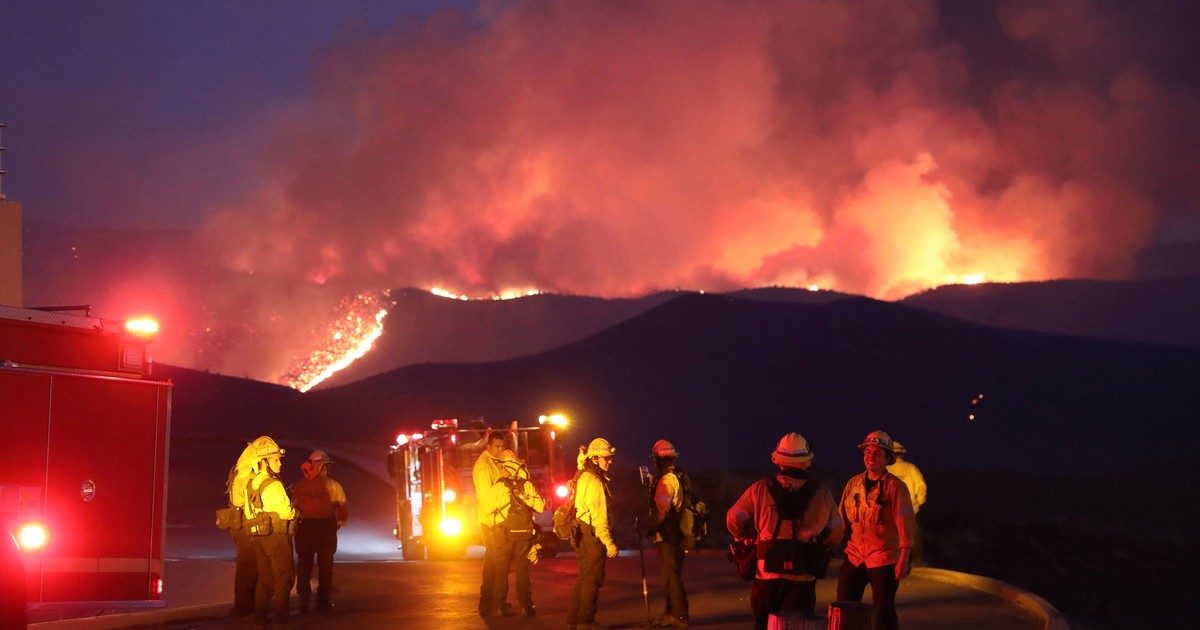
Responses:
[877,508]
[321,503]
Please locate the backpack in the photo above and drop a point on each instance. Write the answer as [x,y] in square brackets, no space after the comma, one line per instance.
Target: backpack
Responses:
[565,521]
[230,517]
[519,521]
[791,556]
[693,518]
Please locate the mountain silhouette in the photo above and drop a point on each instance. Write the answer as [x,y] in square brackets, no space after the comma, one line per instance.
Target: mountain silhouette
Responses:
[724,377]
[1152,311]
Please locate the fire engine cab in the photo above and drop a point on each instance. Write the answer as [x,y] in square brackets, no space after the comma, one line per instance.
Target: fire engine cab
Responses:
[84,464]
[435,494]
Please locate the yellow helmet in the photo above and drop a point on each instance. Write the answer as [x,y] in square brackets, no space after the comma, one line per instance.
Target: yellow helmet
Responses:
[599,447]
[265,447]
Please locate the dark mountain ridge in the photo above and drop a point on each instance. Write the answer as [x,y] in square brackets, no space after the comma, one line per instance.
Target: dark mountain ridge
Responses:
[725,377]
[1162,311]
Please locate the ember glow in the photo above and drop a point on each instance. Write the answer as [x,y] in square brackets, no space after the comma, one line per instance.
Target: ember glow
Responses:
[343,341]
[507,294]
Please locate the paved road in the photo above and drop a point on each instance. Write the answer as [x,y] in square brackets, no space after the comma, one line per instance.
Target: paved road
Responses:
[377,594]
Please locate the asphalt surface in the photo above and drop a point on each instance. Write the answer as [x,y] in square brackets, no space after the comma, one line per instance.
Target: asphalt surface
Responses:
[395,594]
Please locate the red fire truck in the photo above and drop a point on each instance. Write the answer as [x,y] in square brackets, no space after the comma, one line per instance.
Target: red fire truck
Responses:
[83,475]
[435,494]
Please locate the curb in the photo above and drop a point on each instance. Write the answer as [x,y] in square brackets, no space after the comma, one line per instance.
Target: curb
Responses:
[127,620]
[1051,618]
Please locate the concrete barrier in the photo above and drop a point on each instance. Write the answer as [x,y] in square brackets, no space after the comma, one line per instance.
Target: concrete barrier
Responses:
[1051,618]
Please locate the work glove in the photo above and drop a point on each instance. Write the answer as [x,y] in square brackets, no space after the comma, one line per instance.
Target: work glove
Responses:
[612,550]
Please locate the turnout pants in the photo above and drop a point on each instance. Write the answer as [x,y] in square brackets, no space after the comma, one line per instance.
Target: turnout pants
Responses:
[512,552]
[852,581]
[590,555]
[779,595]
[245,576]
[487,588]
[670,565]
[275,576]
[315,537]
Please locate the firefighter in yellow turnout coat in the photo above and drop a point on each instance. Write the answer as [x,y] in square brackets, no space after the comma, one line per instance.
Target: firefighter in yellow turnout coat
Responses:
[595,538]
[491,493]
[515,533]
[269,516]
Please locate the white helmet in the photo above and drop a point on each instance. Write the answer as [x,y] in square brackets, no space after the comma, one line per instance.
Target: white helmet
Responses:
[884,441]
[663,448]
[792,451]
[320,457]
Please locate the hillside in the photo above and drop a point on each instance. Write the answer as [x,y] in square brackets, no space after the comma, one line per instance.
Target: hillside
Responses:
[1150,311]
[424,328]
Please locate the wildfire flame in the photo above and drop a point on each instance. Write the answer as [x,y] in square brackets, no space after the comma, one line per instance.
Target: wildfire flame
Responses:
[346,339]
[507,294]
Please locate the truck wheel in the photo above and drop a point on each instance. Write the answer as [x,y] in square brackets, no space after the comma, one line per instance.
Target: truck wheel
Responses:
[413,550]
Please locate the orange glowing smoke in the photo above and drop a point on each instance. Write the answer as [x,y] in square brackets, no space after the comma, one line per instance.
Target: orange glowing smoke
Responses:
[343,341]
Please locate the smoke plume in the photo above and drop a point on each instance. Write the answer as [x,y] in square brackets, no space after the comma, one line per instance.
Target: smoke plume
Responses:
[613,148]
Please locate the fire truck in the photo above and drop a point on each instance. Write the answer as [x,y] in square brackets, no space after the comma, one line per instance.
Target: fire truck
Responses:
[83,478]
[435,494]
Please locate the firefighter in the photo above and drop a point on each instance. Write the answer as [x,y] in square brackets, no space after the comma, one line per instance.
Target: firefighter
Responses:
[789,516]
[321,503]
[915,482]
[595,538]
[270,519]
[877,508]
[666,510]
[516,532]
[491,494]
[245,577]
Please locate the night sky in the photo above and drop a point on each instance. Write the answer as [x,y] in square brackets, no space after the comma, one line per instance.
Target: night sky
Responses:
[615,148]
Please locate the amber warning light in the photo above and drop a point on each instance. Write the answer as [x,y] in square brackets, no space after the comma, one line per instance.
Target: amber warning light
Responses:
[141,326]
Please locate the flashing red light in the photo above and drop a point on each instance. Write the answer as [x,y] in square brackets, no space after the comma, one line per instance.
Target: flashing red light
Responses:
[561,491]
[33,536]
[401,439]
[417,436]
[142,326]
[158,587]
